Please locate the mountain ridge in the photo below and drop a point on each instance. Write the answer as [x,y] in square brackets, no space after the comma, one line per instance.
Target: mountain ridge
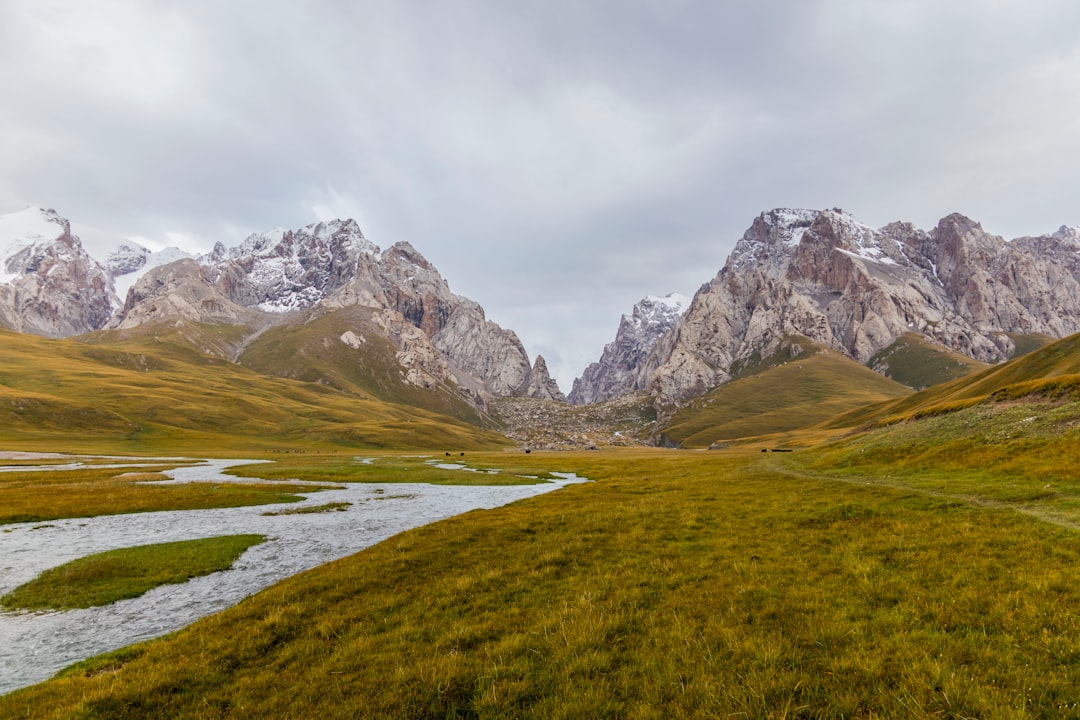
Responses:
[854,289]
[271,278]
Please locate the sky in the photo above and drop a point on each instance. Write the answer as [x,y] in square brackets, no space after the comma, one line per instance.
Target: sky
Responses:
[556,160]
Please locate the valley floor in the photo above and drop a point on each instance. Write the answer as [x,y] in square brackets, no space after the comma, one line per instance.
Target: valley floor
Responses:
[678,584]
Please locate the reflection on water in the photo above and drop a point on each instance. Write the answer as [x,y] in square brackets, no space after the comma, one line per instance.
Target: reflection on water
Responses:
[34,646]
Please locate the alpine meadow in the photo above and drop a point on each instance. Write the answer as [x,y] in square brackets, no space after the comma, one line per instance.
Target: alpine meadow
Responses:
[795,532]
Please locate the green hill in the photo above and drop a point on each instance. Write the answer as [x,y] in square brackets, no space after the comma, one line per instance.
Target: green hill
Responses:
[916,363]
[314,352]
[1047,370]
[799,386]
[155,394]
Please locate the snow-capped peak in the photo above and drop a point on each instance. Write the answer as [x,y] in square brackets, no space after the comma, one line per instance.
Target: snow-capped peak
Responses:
[19,231]
[30,225]
[654,314]
[675,301]
[1067,233]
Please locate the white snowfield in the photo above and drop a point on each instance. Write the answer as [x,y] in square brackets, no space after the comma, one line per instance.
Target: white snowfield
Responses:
[21,229]
[34,646]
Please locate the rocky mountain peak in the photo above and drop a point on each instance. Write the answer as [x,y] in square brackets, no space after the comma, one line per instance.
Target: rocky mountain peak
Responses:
[824,275]
[126,258]
[49,285]
[541,385]
[614,373]
[283,270]
[1066,233]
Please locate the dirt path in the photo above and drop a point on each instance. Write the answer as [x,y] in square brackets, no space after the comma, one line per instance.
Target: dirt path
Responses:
[1062,517]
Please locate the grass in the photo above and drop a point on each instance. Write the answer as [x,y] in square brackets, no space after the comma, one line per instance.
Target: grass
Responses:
[915,362]
[54,494]
[676,585]
[781,394]
[1059,361]
[115,575]
[149,394]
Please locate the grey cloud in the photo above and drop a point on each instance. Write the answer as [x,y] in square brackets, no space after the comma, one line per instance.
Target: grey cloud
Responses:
[556,160]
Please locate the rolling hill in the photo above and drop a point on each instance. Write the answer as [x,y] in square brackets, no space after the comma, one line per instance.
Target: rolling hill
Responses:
[800,385]
[157,393]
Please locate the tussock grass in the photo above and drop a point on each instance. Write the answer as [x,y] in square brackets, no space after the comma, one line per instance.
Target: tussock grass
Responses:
[676,585]
[1024,453]
[107,577]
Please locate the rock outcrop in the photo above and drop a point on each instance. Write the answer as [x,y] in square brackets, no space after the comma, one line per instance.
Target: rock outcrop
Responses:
[615,373]
[541,385]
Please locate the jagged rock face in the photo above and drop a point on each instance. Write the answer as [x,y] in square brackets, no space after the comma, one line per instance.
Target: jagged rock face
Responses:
[423,364]
[541,385]
[485,356]
[283,270]
[615,373]
[126,259]
[49,285]
[856,289]
[328,266]
[181,291]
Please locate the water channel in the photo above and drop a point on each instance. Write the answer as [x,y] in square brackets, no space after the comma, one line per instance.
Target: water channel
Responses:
[35,645]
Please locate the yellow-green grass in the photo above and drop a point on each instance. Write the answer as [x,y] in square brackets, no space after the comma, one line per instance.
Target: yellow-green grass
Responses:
[790,394]
[1027,343]
[393,468]
[145,396]
[675,585]
[1016,451]
[107,577]
[915,362]
[55,494]
[1055,360]
[313,352]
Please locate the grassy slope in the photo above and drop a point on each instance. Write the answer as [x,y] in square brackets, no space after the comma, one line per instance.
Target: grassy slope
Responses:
[930,568]
[313,352]
[675,585]
[157,395]
[779,394]
[916,363]
[1057,360]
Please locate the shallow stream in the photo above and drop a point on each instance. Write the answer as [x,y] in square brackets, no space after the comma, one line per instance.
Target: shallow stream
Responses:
[34,646]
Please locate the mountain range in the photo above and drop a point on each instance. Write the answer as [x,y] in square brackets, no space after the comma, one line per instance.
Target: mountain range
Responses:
[322,304]
[865,293]
[269,283]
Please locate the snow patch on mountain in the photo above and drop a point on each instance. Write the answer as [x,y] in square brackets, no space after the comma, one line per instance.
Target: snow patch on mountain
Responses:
[141,260]
[20,230]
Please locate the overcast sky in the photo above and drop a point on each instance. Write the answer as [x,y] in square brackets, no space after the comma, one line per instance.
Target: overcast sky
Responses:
[556,160]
